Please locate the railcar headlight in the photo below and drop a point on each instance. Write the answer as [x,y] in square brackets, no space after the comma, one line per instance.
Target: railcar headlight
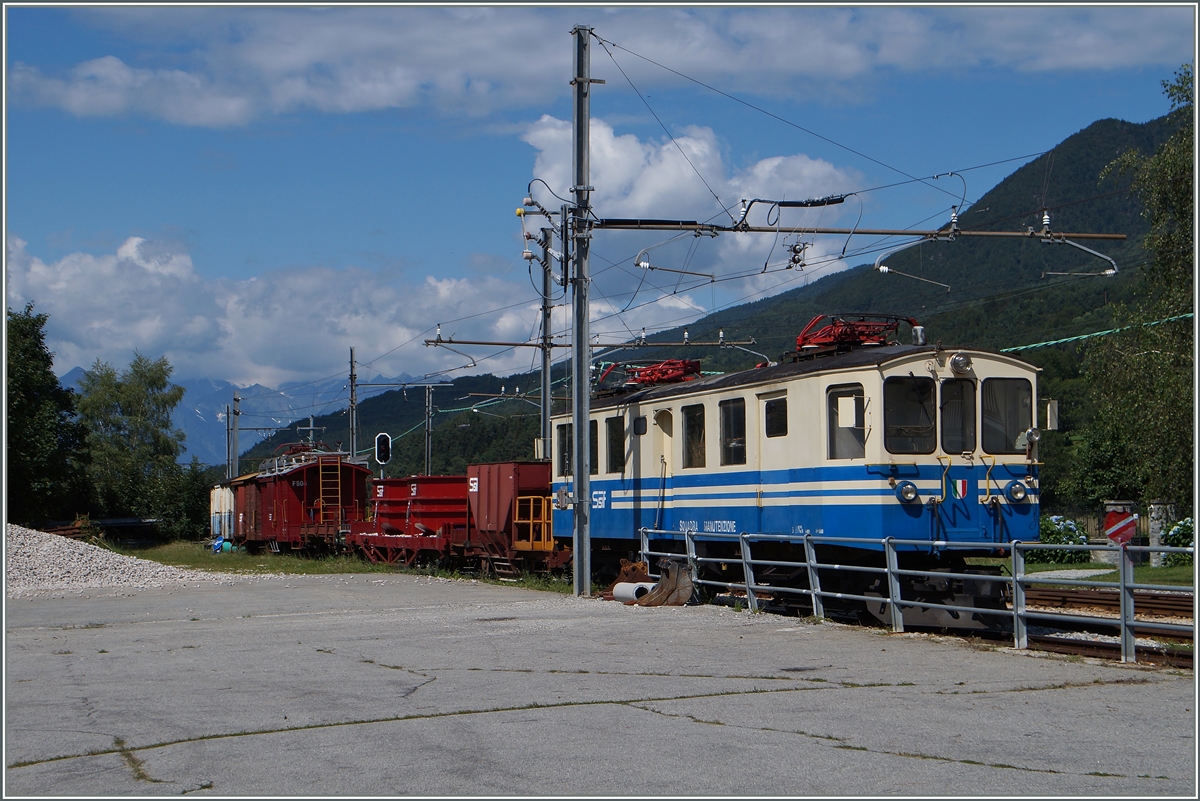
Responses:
[960,363]
[907,492]
[1016,491]
[1033,435]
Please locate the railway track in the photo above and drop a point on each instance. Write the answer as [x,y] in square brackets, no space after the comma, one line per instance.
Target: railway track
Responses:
[1172,647]
[1101,649]
[1145,602]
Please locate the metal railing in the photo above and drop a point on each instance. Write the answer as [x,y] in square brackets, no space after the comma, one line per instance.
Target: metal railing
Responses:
[1017,582]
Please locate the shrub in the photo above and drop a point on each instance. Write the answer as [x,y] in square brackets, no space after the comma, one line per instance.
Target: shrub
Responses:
[1058,530]
[1181,535]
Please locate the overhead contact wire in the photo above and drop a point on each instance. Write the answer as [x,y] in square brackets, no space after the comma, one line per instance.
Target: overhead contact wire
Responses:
[664,127]
[773,116]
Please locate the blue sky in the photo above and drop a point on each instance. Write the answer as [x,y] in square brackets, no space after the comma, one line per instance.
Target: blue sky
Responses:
[251,191]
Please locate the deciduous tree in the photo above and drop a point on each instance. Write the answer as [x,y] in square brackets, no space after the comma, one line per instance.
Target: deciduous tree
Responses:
[1142,378]
[132,445]
[42,434]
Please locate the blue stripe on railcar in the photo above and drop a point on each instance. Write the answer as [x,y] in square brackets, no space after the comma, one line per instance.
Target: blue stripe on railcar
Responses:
[757,502]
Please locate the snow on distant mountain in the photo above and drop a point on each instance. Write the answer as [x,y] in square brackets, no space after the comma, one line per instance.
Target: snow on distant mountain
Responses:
[202,412]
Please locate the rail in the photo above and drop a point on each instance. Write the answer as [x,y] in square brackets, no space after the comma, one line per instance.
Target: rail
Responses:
[1017,582]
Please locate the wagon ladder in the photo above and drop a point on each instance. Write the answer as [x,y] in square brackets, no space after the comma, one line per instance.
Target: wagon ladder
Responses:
[330,478]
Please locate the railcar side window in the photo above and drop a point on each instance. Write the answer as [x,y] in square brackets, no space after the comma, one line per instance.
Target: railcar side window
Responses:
[693,436]
[614,430]
[958,415]
[908,409]
[565,442]
[847,433]
[566,448]
[1007,413]
[733,431]
[775,417]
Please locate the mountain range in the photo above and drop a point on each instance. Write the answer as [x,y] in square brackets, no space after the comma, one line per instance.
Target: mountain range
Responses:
[201,414]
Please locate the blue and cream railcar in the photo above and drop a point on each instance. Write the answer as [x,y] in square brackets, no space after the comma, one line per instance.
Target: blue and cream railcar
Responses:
[904,441]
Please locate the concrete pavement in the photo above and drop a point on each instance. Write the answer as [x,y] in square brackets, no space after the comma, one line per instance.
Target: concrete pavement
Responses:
[390,685]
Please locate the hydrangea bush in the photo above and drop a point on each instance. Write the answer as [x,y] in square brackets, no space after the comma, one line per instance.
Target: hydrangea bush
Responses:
[1181,535]
[1058,530]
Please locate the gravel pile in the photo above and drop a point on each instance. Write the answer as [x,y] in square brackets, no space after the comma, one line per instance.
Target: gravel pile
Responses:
[36,562]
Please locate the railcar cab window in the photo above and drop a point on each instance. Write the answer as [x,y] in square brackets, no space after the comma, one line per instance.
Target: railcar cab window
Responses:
[693,435]
[775,417]
[594,447]
[733,431]
[614,432]
[847,433]
[958,415]
[908,415]
[566,443]
[1007,414]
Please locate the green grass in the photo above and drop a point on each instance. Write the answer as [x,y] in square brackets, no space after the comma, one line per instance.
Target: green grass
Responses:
[200,556]
[1181,575]
[1030,567]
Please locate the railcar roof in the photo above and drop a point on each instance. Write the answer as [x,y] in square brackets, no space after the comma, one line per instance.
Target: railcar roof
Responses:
[859,357]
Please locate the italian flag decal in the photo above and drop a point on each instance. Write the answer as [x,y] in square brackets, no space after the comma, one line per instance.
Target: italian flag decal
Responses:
[958,488]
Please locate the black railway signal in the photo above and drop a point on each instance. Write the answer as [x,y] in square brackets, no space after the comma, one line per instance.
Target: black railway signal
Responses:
[383,448]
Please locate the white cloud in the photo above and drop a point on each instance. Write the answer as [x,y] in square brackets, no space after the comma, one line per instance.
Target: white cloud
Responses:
[107,86]
[280,326]
[653,179]
[245,63]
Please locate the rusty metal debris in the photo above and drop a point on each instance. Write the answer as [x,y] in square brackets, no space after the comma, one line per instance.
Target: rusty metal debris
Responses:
[631,573]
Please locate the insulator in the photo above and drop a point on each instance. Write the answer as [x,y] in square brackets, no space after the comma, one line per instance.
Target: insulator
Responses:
[1045,218]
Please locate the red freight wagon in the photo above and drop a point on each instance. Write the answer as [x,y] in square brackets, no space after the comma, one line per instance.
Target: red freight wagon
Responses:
[411,518]
[509,527]
[305,498]
[496,519]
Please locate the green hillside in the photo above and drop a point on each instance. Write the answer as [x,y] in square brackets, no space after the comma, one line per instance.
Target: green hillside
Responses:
[1000,296]
[500,430]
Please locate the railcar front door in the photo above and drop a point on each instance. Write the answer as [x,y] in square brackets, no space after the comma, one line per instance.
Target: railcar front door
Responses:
[960,515]
[664,448]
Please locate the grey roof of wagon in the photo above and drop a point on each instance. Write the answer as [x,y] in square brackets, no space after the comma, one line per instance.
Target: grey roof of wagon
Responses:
[859,357]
